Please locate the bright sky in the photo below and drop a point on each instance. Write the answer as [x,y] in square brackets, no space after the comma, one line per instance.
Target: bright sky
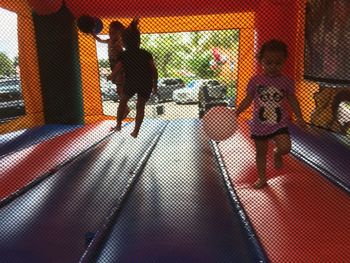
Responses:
[9,40]
[102,49]
[8,35]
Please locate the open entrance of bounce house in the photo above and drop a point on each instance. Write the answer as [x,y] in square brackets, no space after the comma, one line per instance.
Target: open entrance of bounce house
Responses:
[193,55]
[11,98]
[196,70]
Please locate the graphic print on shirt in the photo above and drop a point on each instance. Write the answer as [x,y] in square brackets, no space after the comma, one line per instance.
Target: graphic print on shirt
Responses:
[269,103]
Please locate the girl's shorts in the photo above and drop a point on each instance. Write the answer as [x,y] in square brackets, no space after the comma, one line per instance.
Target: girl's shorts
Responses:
[270,136]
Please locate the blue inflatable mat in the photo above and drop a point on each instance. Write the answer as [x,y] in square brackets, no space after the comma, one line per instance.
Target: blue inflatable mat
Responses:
[326,151]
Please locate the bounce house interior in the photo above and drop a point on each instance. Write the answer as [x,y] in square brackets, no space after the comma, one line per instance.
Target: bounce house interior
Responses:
[76,189]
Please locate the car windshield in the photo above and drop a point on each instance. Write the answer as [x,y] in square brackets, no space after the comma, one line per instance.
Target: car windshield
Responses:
[193,84]
[7,86]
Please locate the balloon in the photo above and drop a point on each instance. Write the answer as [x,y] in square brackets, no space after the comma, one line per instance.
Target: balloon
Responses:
[86,24]
[219,123]
[89,24]
[98,25]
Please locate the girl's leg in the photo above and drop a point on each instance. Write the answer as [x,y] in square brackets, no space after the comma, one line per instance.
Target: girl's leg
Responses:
[140,113]
[261,147]
[123,106]
[283,146]
[120,92]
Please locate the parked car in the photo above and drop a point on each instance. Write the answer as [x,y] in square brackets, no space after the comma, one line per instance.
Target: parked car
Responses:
[11,100]
[108,90]
[166,87]
[190,94]
[211,96]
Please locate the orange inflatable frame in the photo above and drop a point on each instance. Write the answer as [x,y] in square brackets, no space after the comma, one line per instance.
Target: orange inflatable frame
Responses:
[255,27]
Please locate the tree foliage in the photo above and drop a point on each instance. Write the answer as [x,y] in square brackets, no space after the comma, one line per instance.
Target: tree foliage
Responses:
[7,67]
[103,63]
[167,50]
[188,51]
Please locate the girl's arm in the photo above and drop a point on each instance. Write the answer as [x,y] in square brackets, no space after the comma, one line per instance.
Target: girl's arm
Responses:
[98,39]
[244,104]
[115,71]
[154,77]
[293,101]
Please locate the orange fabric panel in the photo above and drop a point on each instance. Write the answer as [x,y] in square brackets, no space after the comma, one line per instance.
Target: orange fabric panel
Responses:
[30,81]
[17,6]
[90,76]
[305,90]
[244,21]
[246,64]
[29,65]
[23,122]
[150,25]
[152,8]
[143,8]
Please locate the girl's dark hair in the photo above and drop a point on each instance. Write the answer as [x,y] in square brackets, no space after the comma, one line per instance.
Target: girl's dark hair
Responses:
[116,25]
[273,45]
[132,35]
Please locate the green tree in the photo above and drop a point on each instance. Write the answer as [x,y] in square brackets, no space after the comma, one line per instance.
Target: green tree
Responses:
[6,66]
[166,50]
[190,51]
[16,61]
[224,38]
[103,63]
[200,65]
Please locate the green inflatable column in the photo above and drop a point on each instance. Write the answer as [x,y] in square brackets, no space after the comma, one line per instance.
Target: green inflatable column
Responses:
[59,67]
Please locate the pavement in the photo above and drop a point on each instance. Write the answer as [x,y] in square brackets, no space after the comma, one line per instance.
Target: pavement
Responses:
[171,110]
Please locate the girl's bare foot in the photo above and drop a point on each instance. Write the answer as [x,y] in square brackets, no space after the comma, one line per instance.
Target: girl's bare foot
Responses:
[260,184]
[134,134]
[277,158]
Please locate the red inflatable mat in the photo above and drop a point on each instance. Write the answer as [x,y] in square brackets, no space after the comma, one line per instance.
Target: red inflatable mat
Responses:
[300,216]
[23,167]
